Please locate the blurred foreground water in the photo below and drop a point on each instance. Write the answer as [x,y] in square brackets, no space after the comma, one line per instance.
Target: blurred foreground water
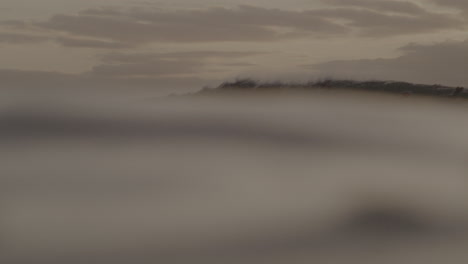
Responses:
[318,178]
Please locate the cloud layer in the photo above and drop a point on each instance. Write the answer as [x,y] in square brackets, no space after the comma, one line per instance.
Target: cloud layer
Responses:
[120,28]
[443,63]
[124,40]
[15,38]
[158,71]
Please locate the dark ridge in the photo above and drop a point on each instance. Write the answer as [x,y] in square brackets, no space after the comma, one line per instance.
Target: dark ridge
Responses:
[393,87]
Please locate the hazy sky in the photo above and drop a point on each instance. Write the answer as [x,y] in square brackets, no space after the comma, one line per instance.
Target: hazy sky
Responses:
[187,43]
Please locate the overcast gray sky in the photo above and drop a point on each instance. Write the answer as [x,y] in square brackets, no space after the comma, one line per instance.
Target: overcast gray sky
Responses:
[185,43]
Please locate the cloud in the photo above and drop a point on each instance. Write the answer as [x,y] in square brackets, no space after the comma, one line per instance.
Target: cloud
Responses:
[402,7]
[442,63]
[34,83]
[165,71]
[118,28]
[249,23]
[239,64]
[128,27]
[112,29]
[161,64]
[18,38]
[19,78]
[155,67]
[90,43]
[374,23]
[25,32]
[245,23]
[143,57]
[460,4]
[13,23]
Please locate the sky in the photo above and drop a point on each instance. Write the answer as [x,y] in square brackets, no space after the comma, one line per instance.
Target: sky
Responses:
[179,45]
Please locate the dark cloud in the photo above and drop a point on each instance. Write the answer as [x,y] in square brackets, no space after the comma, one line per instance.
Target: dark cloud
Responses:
[460,4]
[26,32]
[90,43]
[443,63]
[37,82]
[245,23]
[116,28]
[130,70]
[18,38]
[402,7]
[151,57]
[12,23]
[373,23]
[249,23]
[156,67]
[240,64]
[129,29]
[161,64]
[212,54]
[21,78]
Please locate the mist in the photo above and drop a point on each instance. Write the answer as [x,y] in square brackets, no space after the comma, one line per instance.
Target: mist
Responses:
[324,177]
